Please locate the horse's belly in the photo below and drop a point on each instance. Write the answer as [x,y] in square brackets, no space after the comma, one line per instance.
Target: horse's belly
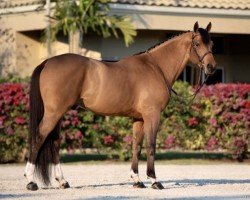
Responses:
[111,107]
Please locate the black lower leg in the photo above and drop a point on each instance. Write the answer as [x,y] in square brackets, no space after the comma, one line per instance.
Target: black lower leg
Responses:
[150,161]
[137,144]
[136,155]
[151,168]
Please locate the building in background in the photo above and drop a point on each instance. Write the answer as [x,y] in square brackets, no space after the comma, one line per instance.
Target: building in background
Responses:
[22,23]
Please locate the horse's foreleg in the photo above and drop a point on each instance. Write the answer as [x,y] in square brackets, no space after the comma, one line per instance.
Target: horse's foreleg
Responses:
[137,143]
[150,128]
[57,166]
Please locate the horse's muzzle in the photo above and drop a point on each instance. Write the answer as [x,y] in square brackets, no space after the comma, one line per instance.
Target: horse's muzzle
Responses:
[210,69]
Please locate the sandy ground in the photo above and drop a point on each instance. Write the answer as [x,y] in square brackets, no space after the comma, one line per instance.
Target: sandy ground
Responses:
[111,181]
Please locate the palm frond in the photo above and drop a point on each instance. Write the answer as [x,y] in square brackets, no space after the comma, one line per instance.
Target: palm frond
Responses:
[91,14]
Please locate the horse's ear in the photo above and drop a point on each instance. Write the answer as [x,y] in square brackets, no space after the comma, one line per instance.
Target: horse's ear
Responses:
[209,26]
[196,26]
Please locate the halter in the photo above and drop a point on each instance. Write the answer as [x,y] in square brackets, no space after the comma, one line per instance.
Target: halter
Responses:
[201,65]
[200,58]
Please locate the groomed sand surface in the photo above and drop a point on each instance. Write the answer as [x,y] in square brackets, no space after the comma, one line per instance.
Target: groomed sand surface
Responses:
[104,180]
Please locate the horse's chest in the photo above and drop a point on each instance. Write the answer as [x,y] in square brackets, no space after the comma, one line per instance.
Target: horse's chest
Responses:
[162,99]
[153,98]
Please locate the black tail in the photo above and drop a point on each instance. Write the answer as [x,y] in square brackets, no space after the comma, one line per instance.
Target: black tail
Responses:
[47,152]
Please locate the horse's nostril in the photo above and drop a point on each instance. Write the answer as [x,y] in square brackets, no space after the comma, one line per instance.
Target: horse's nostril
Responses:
[210,69]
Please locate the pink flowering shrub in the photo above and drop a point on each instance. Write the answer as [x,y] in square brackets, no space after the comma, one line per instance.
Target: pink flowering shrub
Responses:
[13,121]
[219,119]
[170,142]
[229,116]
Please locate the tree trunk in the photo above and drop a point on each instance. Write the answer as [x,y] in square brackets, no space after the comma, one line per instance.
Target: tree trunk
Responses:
[48,32]
[74,42]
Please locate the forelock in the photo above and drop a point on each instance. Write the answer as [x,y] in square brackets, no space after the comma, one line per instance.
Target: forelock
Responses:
[204,36]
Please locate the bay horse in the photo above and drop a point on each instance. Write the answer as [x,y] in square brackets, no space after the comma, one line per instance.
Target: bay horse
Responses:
[138,86]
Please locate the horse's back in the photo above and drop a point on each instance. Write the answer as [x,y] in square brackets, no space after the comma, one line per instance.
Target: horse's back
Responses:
[61,79]
[108,88]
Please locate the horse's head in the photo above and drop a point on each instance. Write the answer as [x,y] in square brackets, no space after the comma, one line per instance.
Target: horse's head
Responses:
[201,49]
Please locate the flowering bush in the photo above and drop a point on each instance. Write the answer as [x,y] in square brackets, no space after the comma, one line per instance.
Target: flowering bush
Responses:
[228,116]
[219,119]
[13,121]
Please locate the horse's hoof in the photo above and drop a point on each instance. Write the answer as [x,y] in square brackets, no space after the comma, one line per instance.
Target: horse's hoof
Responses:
[65,185]
[139,185]
[32,186]
[157,186]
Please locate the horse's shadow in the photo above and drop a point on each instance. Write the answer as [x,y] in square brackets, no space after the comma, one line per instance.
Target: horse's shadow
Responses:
[13,196]
[174,183]
[103,185]
[202,182]
[89,186]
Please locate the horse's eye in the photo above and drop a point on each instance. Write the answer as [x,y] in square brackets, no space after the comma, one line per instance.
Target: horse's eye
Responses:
[197,44]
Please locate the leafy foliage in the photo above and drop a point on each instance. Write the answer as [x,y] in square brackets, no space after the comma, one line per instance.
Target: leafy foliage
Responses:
[13,78]
[91,15]
[218,120]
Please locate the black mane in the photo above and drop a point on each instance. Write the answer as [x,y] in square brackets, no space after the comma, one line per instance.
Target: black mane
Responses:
[157,44]
[204,35]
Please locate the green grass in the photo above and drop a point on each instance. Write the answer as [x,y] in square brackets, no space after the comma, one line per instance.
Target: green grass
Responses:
[65,158]
[170,157]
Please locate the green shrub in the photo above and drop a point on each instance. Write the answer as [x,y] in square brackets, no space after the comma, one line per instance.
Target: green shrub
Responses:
[12,78]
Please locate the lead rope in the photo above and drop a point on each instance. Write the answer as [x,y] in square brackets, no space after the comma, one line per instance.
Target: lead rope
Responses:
[200,85]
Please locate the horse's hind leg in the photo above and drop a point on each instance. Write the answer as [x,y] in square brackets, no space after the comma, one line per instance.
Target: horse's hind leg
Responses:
[29,174]
[46,125]
[137,143]
[57,168]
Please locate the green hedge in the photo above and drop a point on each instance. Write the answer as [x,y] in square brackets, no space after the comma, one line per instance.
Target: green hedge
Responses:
[217,120]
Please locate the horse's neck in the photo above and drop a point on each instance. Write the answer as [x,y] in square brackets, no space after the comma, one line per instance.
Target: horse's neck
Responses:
[172,57]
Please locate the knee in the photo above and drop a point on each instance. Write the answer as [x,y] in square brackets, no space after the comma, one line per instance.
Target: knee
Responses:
[151,150]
